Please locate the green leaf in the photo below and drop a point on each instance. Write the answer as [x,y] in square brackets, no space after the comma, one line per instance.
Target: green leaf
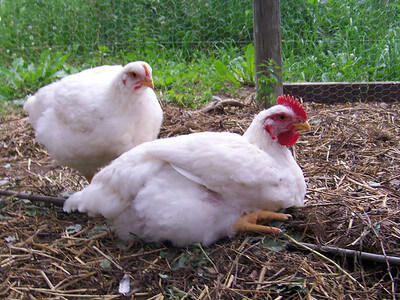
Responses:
[98,229]
[34,210]
[249,65]
[181,261]
[72,229]
[163,276]
[275,245]
[105,264]
[223,72]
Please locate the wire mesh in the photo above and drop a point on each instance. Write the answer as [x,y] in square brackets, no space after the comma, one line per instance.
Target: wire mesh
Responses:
[322,41]
[88,25]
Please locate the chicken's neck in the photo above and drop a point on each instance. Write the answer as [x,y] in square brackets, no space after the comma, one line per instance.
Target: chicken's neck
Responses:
[260,138]
[124,99]
[257,135]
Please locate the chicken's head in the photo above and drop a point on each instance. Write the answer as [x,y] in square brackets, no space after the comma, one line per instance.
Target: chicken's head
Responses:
[286,119]
[137,75]
[281,122]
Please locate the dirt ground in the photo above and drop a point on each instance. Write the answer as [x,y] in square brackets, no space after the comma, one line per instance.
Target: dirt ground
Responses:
[351,162]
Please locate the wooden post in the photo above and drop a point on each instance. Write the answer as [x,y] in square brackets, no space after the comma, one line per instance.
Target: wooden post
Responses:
[267,46]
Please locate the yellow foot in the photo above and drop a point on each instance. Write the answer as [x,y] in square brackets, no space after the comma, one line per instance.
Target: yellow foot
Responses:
[249,222]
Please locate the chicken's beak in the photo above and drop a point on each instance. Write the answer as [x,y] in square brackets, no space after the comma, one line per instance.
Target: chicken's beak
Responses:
[148,81]
[301,126]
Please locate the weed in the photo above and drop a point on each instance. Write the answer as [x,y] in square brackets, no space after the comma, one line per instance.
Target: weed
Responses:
[241,69]
[194,46]
[22,78]
[267,81]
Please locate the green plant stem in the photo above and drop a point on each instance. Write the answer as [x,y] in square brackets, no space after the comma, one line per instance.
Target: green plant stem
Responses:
[208,258]
[323,257]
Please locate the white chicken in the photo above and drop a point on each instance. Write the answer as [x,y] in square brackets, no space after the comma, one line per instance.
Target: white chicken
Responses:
[87,119]
[202,186]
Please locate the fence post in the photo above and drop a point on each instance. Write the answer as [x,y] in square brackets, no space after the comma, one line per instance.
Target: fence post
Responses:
[267,46]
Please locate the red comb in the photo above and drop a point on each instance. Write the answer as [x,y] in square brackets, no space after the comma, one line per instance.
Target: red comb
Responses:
[294,104]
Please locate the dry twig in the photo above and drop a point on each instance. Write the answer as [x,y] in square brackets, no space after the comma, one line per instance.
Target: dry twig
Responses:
[353,253]
[34,198]
[351,161]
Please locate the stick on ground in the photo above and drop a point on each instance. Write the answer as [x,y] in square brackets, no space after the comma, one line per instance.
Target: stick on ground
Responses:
[34,198]
[353,253]
[348,252]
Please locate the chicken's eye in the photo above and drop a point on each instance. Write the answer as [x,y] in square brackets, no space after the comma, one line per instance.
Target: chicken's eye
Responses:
[282,117]
[134,74]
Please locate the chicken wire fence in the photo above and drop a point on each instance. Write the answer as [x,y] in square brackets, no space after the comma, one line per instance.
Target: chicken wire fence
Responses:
[322,41]
[89,26]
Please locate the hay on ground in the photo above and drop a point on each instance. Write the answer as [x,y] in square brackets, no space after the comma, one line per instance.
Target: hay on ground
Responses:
[351,161]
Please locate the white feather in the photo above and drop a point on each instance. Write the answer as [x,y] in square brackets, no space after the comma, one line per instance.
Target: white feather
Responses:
[87,119]
[192,188]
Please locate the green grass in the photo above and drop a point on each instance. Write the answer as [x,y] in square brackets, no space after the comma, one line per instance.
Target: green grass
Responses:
[194,47]
[341,40]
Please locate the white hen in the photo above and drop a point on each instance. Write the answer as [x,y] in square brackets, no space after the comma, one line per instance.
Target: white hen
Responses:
[87,119]
[203,186]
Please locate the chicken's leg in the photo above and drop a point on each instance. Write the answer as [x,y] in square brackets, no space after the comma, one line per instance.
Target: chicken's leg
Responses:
[249,222]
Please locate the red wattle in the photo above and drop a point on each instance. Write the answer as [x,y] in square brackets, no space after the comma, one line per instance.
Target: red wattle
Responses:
[288,138]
